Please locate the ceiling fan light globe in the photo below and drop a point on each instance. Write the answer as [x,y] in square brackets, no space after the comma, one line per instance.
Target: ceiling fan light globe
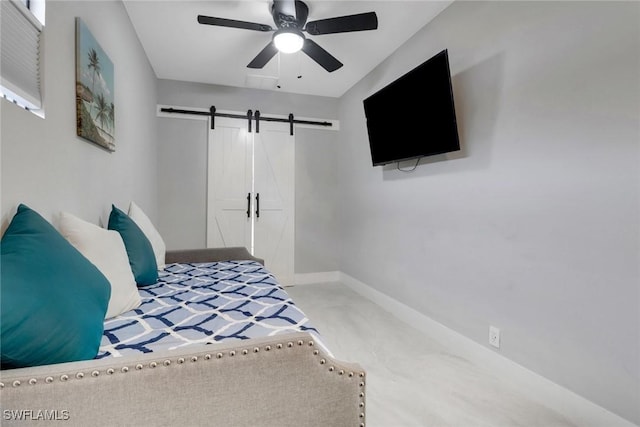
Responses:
[288,41]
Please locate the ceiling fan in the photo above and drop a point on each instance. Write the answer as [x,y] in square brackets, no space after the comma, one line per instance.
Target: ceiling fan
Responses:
[290,17]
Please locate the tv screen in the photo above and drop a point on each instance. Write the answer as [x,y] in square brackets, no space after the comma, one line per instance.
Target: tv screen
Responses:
[414,116]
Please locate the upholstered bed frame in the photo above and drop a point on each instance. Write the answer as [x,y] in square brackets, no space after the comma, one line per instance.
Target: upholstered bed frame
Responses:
[286,380]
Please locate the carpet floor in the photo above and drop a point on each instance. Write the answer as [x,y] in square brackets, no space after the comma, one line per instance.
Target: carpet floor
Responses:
[413,380]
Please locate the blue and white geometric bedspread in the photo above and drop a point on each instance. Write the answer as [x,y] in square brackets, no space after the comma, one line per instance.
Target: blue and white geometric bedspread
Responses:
[202,304]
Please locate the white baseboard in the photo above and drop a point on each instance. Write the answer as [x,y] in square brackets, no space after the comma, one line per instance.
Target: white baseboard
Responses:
[311,278]
[583,412]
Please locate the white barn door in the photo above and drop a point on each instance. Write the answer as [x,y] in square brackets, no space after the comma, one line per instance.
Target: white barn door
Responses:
[230,175]
[274,196]
[250,196]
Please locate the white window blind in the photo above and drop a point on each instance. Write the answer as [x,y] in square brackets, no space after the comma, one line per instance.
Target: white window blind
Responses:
[20,54]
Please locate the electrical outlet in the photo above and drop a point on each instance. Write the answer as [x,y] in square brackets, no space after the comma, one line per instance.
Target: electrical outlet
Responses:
[494,336]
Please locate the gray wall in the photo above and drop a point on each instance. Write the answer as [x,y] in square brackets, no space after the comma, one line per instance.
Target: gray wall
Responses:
[534,227]
[182,166]
[182,153]
[44,164]
[317,241]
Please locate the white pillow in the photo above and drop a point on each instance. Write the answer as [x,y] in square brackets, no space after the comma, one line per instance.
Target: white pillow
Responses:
[105,249]
[145,224]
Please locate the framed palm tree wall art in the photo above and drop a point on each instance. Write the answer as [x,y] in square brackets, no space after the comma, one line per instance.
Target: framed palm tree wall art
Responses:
[95,115]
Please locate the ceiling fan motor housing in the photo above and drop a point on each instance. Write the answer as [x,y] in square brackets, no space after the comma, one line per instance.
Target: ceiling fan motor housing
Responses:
[289,14]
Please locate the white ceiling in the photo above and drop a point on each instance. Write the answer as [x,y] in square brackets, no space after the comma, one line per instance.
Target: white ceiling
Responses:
[181,49]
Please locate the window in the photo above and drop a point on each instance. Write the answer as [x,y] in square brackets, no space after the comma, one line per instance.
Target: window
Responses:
[22,22]
[36,7]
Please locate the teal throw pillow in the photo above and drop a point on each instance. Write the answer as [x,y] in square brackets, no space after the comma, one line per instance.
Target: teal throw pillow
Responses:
[141,256]
[52,299]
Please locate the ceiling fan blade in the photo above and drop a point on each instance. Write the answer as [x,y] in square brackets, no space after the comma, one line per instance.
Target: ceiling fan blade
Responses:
[232,23]
[343,24]
[264,56]
[321,56]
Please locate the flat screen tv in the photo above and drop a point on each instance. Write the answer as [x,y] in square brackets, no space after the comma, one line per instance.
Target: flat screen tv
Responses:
[413,116]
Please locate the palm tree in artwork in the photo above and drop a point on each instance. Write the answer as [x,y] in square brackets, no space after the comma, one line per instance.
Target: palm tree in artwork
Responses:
[94,64]
[103,110]
[111,116]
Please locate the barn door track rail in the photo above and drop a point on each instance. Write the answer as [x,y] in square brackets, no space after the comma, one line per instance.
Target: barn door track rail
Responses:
[250,116]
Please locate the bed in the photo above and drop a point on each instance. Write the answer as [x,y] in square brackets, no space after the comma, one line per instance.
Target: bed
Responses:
[216,341]
[205,303]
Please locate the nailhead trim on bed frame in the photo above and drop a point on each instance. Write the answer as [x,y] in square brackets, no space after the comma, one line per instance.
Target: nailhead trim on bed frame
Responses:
[194,359]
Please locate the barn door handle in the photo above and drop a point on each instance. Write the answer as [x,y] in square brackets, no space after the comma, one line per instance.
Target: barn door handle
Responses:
[248,205]
[258,205]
